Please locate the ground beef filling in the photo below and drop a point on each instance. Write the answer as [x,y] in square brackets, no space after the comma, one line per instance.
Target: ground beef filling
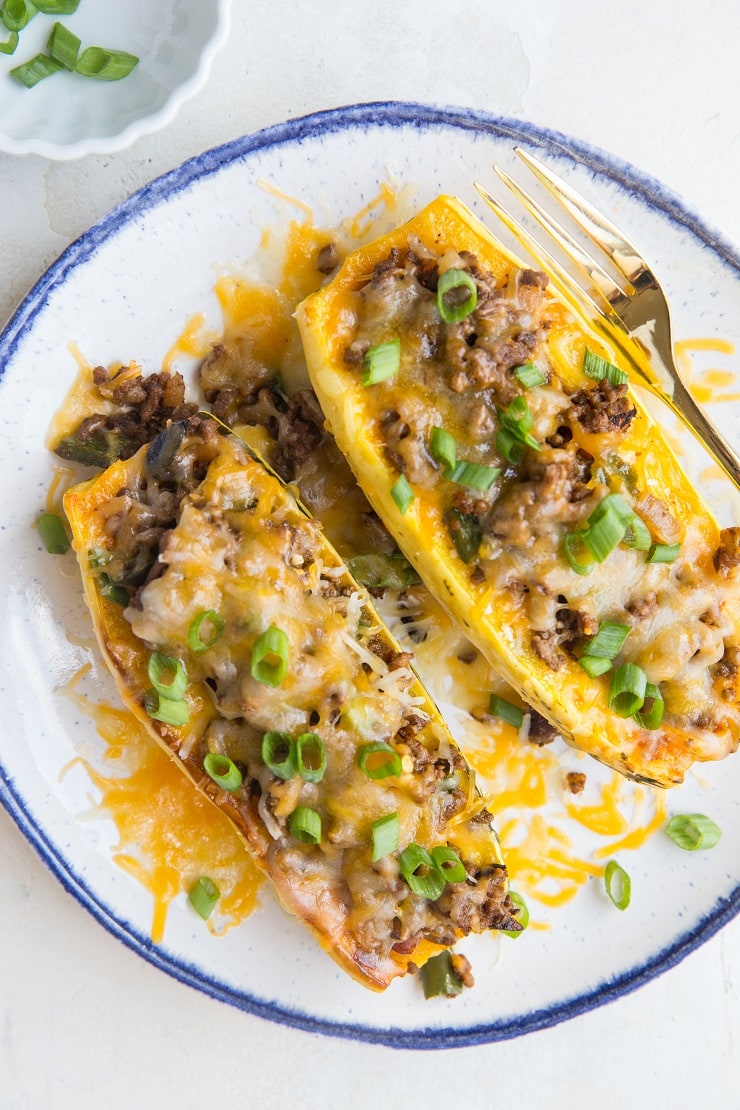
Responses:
[468,378]
[541,732]
[140,518]
[145,521]
[145,405]
[243,391]
[603,407]
[727,555]
[469,368]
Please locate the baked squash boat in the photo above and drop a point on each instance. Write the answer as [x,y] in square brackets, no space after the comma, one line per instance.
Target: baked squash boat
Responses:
[237,636]
[505,452]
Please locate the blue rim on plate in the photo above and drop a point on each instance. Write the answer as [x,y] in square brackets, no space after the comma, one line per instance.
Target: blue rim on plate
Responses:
[391,114]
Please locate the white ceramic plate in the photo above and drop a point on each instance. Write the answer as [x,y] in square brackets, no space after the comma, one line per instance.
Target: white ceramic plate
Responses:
[126,289]
[66,116]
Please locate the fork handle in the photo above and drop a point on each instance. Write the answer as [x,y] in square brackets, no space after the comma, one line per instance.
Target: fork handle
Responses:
[687,410]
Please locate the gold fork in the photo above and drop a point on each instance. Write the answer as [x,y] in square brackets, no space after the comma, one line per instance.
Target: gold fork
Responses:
[633,311]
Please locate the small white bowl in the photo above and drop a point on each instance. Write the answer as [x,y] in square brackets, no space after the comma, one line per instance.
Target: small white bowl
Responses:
[66,116]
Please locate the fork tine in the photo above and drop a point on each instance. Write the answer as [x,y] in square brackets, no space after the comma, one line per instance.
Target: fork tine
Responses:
[621,253]
[577,297]
[606,285]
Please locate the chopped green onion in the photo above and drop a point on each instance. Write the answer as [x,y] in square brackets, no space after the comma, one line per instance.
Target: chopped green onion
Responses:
[529,441]
[618,884]
[10,44]
[465,532]
[571,541]
[166,710]
[421,872]
[379,760]
[270,656]
[378,571]
[474,475]
[53,533]
[613,504]
[310,755]
[305,824]
[385,833]
[605,529]
[203,896]
[449,863]
[529,375]
[500,707]
[443,448]
[35,70]
[214,626]
[105,65]
[402,494]
[517,419]
[608,641]
[594,665]
[692,831]
[17,13]
[167,675]
[650,714]
[223,771]
[113,591]
[637,534]
[278,753]
[627,690]
[596,367]
[610,523]
[57,7]
[450,306]
[63,46]
[664,552]
[523,917]
[509,446]
[517,416]
[604,536]
[438,977]
[381,362]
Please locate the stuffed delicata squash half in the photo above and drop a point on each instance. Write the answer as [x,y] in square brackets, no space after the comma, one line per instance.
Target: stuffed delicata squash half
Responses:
[237,636]
[505,452]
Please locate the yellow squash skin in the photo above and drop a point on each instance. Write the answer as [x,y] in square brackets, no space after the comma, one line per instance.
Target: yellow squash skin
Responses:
[326,911]
[575,703]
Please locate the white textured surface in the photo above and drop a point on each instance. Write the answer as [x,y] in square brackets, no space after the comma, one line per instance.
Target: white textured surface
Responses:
[65,116]
[82,1020]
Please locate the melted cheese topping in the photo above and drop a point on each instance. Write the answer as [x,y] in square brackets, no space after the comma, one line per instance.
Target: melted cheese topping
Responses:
[496,556]
[82,400]
[233,554]
[169,834]
[62,478]
[194,341]
[710,385]
[524,783]
[240,546]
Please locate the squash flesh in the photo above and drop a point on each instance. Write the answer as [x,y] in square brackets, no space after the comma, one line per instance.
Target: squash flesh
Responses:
[490,612]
